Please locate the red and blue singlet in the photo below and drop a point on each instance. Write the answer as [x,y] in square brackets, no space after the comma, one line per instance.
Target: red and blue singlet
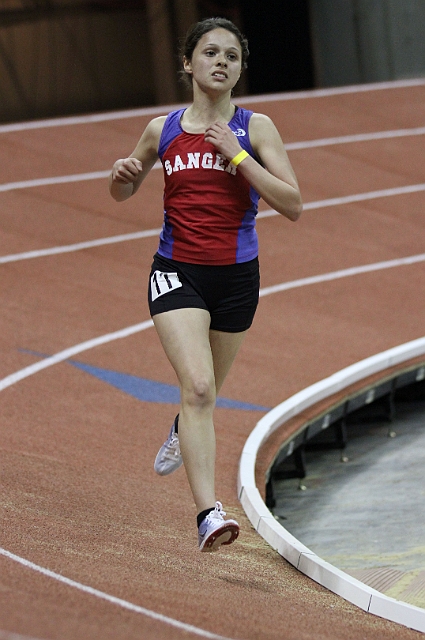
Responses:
[209,207]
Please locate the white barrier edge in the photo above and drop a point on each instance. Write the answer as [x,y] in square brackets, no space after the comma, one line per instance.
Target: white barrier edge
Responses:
[284,542]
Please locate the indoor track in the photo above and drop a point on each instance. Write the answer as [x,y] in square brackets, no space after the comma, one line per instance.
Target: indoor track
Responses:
[93,544]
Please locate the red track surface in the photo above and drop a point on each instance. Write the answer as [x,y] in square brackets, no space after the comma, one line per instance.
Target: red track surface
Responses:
[78,492]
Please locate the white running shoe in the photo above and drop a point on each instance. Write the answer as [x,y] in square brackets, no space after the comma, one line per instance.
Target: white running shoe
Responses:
[214,530]
[169,457]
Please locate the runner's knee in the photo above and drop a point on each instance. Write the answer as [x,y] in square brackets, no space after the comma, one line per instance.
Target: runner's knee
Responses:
[200,393]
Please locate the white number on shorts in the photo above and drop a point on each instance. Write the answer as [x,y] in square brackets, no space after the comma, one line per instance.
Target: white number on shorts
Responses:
[163,283]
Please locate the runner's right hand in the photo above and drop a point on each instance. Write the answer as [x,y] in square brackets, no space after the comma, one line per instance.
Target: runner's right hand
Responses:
[126,170]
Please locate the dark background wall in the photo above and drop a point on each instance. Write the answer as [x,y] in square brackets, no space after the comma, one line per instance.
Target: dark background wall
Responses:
[280,44]
[61,57]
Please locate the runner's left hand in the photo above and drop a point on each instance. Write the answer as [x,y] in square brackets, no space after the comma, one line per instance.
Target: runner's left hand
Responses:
[223,138]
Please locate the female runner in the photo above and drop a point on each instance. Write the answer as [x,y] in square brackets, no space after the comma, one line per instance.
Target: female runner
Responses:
[218,160]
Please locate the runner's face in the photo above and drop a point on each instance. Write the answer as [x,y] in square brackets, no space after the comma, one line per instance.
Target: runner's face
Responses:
[216,61]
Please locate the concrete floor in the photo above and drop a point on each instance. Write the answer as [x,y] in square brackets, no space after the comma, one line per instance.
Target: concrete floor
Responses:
[366,516]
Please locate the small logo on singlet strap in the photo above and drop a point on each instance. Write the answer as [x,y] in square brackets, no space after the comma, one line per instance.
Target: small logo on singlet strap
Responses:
[239,133]
[162,283]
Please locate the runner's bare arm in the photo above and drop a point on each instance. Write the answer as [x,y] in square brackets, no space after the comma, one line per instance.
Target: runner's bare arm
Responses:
[128,173]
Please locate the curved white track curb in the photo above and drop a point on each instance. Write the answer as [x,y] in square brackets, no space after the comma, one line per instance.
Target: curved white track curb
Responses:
[277,536]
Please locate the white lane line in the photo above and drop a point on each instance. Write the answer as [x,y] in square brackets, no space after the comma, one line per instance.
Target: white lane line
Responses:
[71,351]
[343,273]
[369,195]
[153,111]
[8,635]
[355,197]
[43,182]
[356,137]
[290,146]
[112,599]
[74,177]
[79,246]
[318,204]
[332,91]
[89,119]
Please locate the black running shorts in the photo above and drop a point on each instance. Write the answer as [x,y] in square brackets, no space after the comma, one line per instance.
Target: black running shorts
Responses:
[229,293]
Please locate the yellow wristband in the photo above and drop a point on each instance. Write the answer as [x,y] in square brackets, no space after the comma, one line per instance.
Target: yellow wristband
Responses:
[238,158]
